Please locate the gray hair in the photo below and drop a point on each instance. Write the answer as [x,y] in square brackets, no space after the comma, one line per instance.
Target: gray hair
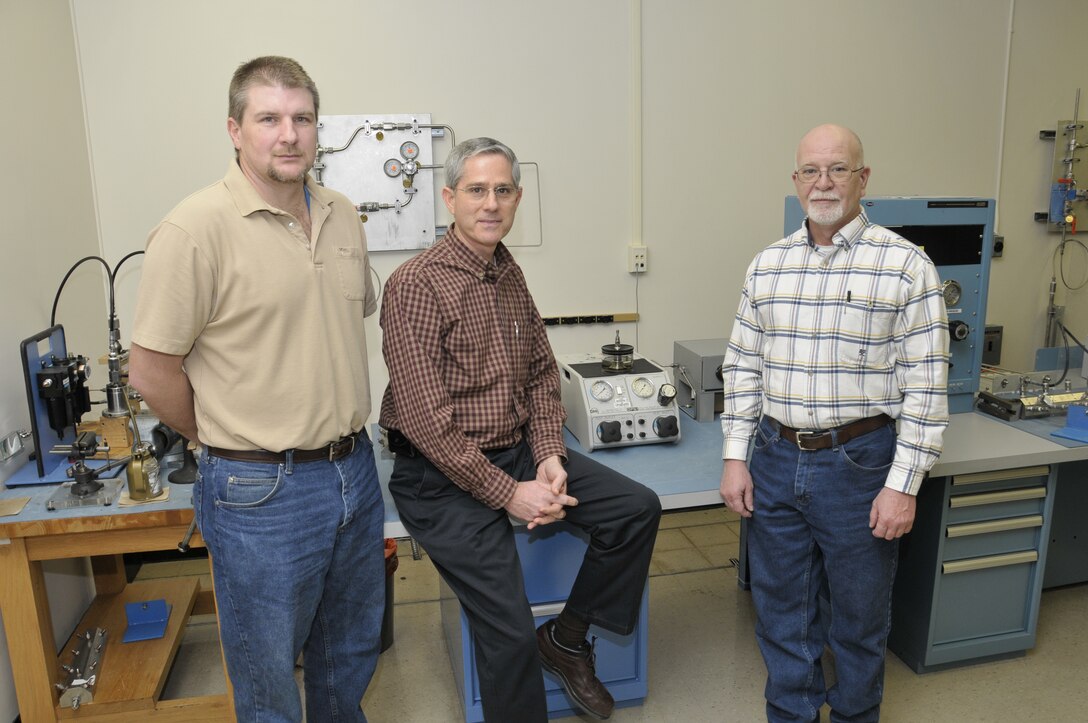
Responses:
[275,71]
[455,161]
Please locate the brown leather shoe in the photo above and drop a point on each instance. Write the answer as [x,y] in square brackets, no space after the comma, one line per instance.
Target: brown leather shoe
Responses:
[576,672]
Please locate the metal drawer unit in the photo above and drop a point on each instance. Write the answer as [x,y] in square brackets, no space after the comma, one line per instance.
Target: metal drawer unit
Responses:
[1067,553]
[970,573]
[550,559]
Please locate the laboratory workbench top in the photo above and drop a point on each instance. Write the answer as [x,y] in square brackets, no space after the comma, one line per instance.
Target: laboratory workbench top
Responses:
[684,474]
[687,473]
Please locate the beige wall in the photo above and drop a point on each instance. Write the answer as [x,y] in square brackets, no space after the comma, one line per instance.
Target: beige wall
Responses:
[724,90]
[48,224]
[157,105]
[1042,87]
[673,122]
[921,82]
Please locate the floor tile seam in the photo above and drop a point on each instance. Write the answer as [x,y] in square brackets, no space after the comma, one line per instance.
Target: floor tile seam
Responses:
[698,544]
[689,572]
[427,601]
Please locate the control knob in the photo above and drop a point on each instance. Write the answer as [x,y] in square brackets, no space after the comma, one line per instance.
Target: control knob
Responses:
[958,330]
[665,394]
[609,431]
[666,426]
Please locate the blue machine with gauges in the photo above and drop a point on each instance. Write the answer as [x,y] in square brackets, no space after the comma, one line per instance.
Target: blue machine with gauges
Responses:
[958,235]
[617,399]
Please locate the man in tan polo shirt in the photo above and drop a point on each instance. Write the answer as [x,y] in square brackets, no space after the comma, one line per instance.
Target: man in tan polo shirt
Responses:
[249,337]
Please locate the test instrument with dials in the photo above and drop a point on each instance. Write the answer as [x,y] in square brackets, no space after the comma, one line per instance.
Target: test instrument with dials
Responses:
[617,399]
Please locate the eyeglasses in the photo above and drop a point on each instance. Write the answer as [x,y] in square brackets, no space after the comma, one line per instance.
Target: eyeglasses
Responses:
[503,194]
[839,173]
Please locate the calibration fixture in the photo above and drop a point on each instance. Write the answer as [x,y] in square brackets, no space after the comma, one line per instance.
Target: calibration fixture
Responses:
[617,398]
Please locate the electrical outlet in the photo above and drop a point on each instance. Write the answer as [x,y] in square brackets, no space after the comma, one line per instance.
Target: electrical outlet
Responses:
[636,259]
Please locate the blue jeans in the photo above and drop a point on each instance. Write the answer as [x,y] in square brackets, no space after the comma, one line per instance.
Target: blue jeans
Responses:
[298,565]
[809,536]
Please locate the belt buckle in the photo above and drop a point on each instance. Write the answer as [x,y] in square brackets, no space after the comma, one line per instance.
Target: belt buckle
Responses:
[802,437]
[338,445]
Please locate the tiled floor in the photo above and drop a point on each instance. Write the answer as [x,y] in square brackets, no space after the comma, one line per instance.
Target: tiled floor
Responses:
[704,664]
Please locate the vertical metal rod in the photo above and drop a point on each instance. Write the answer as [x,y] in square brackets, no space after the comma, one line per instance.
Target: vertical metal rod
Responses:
[1072,146]
[1052,310]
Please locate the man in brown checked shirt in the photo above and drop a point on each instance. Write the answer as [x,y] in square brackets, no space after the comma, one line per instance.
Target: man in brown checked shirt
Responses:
[474,416]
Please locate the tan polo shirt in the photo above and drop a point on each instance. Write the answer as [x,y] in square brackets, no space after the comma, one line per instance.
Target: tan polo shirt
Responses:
[270,324]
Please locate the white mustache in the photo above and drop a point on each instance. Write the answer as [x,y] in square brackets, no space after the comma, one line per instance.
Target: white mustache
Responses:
[823,197]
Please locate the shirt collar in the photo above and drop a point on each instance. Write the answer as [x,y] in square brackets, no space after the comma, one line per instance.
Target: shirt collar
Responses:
[494,269]
[845,236]
[248,201]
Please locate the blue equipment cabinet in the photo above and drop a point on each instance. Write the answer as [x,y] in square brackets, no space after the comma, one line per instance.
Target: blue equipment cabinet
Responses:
[551,556]
[958,235]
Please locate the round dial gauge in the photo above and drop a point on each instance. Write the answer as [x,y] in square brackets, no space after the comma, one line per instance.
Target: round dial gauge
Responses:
[601,391]
[409,150]
[392,168]
[952,291]
[642,387]
[666,394]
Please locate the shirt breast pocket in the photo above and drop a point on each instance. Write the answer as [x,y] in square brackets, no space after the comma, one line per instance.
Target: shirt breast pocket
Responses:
[352,273]
[864,334]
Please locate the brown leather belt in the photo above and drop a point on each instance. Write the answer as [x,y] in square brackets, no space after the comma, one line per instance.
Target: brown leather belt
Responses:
[827,438]
[331,452]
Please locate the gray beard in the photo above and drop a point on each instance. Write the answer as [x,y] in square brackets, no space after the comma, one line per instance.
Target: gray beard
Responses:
[828,216]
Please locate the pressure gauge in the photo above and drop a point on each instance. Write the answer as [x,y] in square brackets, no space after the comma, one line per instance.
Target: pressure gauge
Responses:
[642,387]
[952,291]
[392,168]
[601,391]
[666,394]
[409,150]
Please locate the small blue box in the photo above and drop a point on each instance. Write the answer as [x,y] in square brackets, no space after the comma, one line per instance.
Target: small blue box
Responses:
[146,620]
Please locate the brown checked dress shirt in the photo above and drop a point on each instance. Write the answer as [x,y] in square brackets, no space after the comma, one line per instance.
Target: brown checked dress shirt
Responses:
[470,367]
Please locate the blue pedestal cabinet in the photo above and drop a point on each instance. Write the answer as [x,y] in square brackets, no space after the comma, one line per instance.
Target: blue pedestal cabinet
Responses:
[550,558]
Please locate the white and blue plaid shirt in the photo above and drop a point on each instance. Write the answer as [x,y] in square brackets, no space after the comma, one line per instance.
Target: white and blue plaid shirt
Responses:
[824,337]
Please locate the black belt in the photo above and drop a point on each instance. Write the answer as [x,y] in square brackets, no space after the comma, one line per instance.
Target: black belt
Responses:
[399,444]
[331,452]
[810,440]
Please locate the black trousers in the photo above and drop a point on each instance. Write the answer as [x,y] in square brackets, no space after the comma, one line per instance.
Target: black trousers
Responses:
[472,546]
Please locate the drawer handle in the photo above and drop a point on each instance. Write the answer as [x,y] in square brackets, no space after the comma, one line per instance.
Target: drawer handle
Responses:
[981,528]
[1002,474]
[983,563]
[990,498]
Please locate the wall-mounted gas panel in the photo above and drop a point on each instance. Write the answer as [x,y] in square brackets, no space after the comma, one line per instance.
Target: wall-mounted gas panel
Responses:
[385,165]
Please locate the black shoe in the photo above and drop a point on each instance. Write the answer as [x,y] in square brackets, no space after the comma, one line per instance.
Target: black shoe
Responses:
[576,672]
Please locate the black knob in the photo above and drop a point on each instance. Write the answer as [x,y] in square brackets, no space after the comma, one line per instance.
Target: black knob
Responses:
[665,394]
[186,474]
[958,330]
[666,426]
[609,431]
